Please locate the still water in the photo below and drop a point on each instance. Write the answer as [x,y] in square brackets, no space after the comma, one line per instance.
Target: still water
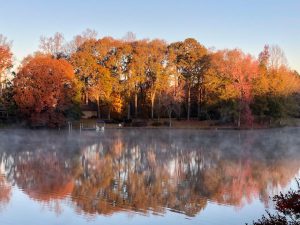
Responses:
[144,176]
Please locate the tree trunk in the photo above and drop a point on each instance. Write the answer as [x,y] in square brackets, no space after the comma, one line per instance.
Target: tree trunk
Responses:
[189,102]
[128,111]
[0,85]
[98,108]
[170,118]
[199,101]
[109,109]
[152,105]
[135,104]
[239,116]
[158,113]
[86,97]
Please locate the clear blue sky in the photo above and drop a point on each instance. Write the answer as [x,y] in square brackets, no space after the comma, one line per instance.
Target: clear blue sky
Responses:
[247,24]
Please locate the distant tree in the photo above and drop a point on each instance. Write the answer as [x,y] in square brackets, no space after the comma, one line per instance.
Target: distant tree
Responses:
[277,57]
[44,89]
[54,46]
[72,46]
[129,37]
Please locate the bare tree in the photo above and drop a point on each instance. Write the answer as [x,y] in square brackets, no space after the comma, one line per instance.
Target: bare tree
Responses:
[129,37]
[79,39]
[277,57]
[5,58]
[52,45]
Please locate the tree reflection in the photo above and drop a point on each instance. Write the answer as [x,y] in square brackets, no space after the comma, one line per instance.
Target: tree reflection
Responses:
[43,176]
[158,170]
[171,173]
[5,188]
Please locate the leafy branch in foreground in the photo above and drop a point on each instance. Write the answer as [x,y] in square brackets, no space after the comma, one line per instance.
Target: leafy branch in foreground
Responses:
[287,209]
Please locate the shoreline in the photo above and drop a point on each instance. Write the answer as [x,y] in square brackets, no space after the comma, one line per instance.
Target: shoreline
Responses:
[90,125]
[152,128]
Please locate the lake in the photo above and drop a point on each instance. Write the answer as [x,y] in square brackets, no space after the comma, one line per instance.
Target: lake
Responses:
[144,176]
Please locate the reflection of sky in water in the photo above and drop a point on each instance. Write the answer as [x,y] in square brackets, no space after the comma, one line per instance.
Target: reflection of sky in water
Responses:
[154,177]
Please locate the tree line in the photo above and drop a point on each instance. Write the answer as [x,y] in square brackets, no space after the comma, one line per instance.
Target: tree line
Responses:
[148,79]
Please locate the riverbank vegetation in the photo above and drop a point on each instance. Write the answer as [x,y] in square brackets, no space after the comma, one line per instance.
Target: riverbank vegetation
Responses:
[125,79]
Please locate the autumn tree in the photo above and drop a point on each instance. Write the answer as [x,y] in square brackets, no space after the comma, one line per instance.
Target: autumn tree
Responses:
[122,69]
[85,67]
[238,71]
[5,58]
[138,68]
[156,70]
[44,89]
[172,96]
[94,64]
[190,63]
[100,89]
[276,86]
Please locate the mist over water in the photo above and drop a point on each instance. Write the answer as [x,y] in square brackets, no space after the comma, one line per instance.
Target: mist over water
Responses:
[144,176]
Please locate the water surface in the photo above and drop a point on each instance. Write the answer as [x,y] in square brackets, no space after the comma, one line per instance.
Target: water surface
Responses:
[144,176]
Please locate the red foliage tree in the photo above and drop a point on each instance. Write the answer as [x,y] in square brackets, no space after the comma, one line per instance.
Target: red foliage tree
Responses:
[43,90]
[240,71]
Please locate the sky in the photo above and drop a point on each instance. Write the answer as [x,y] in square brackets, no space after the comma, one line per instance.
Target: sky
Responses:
[219,24]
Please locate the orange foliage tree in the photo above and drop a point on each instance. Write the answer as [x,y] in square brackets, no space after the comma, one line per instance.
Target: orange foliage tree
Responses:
[276,88]
[94,64]
[44,89]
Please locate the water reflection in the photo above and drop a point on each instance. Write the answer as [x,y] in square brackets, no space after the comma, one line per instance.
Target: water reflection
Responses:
[148,171]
